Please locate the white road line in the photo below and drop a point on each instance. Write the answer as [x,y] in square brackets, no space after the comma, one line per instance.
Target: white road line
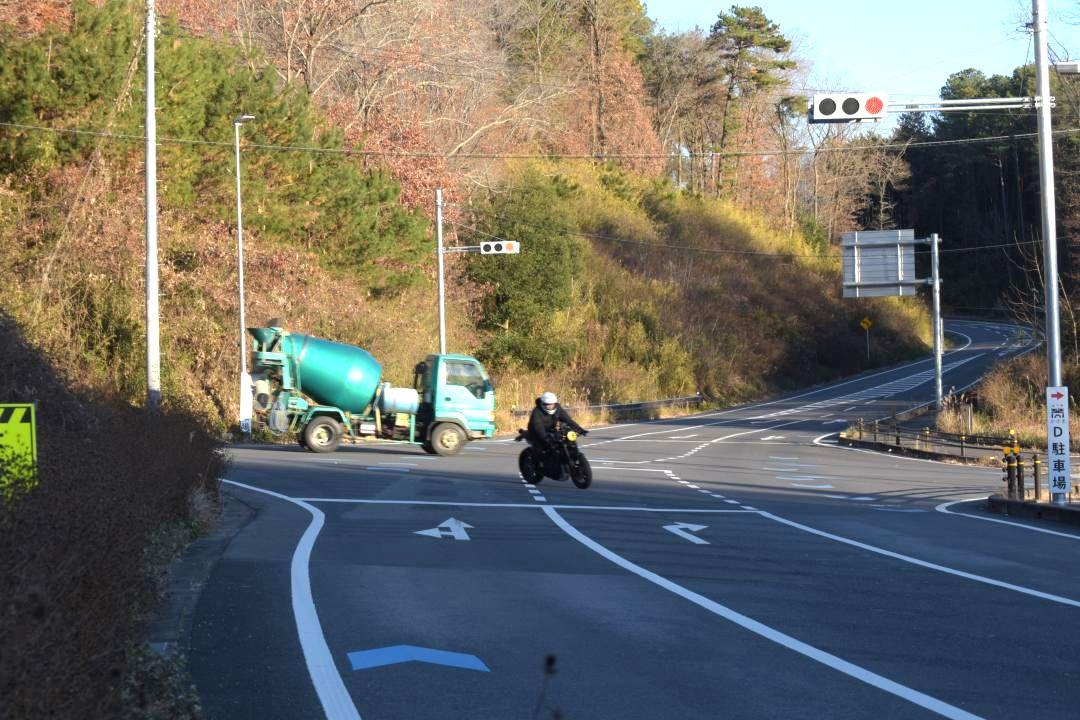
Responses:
[813,487]
[622,469]
[335,699]
[388,469]
[944,508]
[732,502]
[539,498]
[923,563]
[762,630]
[779,457]
[516,506]
[691,485]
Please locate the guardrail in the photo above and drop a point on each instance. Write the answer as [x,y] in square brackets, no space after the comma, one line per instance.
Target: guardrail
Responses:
[625,408]
[1016,472]
[928,440]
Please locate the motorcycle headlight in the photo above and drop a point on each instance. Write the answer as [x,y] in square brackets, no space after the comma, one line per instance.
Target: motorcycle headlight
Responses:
[571,436]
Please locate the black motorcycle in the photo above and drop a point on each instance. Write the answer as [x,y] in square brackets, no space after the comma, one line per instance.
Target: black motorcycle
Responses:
[563,459]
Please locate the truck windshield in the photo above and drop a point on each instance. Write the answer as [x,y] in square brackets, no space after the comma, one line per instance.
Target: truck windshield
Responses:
[466,374]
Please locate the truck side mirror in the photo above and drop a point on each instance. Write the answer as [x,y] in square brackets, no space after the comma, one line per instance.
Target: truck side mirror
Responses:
[488,386]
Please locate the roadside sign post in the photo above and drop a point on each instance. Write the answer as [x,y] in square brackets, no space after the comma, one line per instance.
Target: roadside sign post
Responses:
[1057,443]
[865,323]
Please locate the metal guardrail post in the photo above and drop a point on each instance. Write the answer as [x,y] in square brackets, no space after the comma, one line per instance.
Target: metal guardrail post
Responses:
[1035,476]
[875,431]
[962,438]
[927,446]
[896,429]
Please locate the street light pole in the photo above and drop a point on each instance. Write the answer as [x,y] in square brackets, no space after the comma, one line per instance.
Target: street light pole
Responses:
[153,343]
[442,285]
[245,380]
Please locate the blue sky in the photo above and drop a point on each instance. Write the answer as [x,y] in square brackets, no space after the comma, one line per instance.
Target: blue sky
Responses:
[905,49]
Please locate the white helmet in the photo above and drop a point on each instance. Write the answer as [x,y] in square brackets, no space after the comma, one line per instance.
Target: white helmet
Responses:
[549,398]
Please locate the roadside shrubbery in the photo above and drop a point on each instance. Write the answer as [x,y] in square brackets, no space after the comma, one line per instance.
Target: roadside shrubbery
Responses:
[627,289]
[1011,397]
[75,577]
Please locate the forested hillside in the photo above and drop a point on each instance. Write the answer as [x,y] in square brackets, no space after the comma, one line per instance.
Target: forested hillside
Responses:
[677,220]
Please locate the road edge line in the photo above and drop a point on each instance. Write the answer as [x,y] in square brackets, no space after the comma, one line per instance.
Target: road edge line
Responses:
[330,688]
[944,508]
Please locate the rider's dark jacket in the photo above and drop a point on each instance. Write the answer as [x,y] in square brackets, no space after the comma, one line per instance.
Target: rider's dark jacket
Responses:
[542,424]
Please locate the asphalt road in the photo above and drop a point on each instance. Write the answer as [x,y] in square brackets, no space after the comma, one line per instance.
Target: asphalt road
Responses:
[735,564]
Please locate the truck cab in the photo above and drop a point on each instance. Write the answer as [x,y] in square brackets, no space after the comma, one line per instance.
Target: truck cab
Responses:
[457,402]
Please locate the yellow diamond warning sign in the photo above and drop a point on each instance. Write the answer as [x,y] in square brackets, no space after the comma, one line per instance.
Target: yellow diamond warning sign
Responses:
[18,434]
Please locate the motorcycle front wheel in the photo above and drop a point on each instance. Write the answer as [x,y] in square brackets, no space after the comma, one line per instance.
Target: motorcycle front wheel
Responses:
[581,472]
[529,467]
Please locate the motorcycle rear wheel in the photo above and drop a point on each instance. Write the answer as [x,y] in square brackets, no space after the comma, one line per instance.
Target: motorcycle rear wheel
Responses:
[581,473]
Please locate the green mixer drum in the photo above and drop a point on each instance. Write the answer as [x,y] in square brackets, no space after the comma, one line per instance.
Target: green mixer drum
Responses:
[333,373]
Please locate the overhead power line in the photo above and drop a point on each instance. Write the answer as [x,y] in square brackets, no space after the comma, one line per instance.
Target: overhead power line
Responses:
[728,251]
[127,137]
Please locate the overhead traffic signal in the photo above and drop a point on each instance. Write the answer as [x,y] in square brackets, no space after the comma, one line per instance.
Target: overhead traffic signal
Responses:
[844,107]
[499,247]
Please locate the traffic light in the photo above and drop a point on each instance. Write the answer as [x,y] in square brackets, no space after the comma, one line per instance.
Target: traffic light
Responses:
[843,107]
[499,247]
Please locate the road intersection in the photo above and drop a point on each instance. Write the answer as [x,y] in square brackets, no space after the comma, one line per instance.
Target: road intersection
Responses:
[732,564]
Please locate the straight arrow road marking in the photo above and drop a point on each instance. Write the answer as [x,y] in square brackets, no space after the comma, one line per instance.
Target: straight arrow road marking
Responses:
[812,487]
[683,530]
[367,659]
[449,528]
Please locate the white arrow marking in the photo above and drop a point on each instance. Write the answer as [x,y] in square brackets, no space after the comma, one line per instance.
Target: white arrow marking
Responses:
[814,487]
[774,437]
[681,437]
[450,528]
[683,530]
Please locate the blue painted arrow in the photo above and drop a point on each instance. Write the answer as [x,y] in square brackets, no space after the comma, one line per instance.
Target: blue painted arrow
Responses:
[366,659]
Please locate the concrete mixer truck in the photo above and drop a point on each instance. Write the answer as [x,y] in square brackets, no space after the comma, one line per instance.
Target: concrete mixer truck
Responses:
[325,391]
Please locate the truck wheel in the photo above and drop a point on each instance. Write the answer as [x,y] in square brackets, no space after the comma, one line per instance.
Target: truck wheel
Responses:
[322,435]
[447,439]
[428,447]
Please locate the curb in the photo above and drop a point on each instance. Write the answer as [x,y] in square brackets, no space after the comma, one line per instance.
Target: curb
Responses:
[168,629]
[1066,514]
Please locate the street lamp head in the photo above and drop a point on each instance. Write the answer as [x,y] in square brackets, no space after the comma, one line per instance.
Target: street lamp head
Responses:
[243,119]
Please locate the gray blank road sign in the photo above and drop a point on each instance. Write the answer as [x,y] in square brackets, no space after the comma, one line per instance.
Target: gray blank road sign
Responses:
[879,263]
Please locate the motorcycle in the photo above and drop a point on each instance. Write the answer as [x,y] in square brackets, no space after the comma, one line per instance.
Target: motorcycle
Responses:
[563,460]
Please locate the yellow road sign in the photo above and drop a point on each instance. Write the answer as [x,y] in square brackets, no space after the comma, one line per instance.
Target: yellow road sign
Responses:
[865,323]
[18,429]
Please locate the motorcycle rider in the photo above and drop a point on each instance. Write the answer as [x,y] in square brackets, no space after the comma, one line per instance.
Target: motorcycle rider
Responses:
[547,413]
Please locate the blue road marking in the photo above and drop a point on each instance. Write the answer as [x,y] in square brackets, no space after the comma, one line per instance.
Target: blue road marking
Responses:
[366,659]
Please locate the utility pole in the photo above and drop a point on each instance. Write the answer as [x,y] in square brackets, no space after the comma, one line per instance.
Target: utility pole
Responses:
[245,379]
[442,286]
[1046,181]
[1049,220]
[935,279]
[153,348]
